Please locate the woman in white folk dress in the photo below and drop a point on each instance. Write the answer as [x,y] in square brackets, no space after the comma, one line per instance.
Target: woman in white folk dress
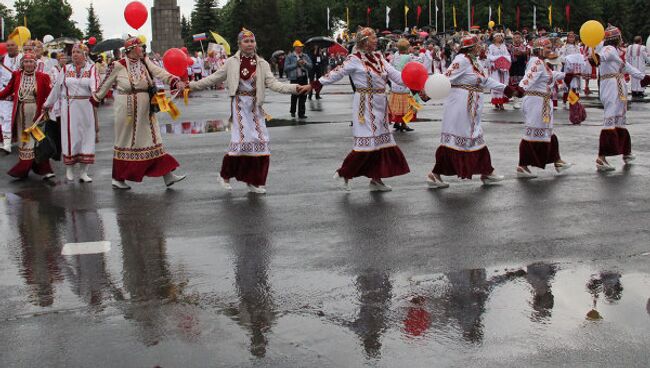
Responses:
[539,145]
[614,137]
[375,154]
[247,76]
[72,92]
[463,151]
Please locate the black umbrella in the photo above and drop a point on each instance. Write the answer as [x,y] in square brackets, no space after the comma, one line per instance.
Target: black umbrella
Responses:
[320,41]
[108,45]
[277,53]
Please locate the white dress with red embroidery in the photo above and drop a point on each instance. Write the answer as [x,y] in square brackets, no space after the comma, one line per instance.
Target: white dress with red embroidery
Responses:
[637,56]
[375,153]
[537,108]
[462,150]
[539,145]
[614,138]
[494,53]
[72,90]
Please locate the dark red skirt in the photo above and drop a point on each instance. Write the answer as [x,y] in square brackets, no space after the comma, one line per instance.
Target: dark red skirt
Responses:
[382,163]
[137,170]
[539,154]
[463,164]
[500,100]
[22,168]
[614,142]
[248,169]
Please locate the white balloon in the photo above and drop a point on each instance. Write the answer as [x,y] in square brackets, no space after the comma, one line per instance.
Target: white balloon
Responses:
[48,38]
[437,87]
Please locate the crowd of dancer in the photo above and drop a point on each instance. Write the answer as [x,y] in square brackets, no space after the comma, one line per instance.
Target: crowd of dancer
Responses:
[536,71]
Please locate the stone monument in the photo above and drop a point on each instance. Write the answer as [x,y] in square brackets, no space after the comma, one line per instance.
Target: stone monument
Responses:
[166,26]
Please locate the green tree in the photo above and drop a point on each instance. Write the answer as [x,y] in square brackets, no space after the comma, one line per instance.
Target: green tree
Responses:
[7,15]
[186,32]
[93,28]
[204,19]
[47,17]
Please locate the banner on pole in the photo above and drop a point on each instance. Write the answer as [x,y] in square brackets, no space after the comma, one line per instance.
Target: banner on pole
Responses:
[453,10]
[550,15]
[328,18]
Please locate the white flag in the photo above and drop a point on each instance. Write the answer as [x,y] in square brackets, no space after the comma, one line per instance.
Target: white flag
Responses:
[489,13]
[328,18]
[387,17]
[534,17]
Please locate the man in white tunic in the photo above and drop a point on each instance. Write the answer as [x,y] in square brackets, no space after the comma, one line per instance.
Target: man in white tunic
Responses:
[637,56]
[614,137]
[10,64]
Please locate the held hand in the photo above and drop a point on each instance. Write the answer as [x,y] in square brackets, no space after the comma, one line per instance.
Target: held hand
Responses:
[301,90]
[645,81]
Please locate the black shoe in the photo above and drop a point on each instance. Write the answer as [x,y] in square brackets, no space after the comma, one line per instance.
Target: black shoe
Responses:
[318,97]
[302,117]
[309,97]
[407,128]
[398,127]
[293,114]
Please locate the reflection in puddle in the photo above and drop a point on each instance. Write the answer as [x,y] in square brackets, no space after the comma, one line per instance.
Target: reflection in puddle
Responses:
[146,286]
[194,127]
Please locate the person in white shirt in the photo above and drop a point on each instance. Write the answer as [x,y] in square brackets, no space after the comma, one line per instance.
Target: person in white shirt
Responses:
[197,67]
[637,56]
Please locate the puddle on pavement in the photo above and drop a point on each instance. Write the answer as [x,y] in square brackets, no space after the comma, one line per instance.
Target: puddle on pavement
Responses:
[233,294]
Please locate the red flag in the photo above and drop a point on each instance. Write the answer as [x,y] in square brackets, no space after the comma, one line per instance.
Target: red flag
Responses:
[567,13]
[369,10]
[417,21]
[517,15]
[368,16]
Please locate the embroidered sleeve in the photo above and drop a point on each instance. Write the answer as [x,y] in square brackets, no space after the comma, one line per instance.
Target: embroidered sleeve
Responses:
[531,75]
[338,73]
[107,83]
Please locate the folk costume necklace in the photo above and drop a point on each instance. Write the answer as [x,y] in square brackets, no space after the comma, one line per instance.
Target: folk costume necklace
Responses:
[27,86]
[247,67]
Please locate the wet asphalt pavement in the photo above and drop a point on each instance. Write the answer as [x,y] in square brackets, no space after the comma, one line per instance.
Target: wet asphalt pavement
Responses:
[551,272]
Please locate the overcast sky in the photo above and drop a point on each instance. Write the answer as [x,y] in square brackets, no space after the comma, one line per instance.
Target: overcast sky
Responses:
[111,14]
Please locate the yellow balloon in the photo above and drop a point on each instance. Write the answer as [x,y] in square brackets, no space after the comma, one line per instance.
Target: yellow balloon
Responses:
[591,33]
[491,24]
[142,38]
[20,35]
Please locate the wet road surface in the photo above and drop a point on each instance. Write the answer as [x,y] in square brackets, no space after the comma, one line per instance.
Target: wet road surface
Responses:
[548,272]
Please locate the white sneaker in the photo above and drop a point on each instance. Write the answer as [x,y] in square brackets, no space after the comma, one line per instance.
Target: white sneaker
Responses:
[523,174]
[84,178]
[171,179]
[119,185]
[344,184]
[563,166]
[224,184]
[434,183]
[48,176]
[256,190]
[493,178]
[69,173]
[516,105]
[603,166]
[376,186]
[629,158]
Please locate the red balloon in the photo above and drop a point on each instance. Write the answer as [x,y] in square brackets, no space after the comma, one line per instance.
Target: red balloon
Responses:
[184,49]
[136,14]
[175,61]
[3,49]
[190,61]
[92,41]
[414,76]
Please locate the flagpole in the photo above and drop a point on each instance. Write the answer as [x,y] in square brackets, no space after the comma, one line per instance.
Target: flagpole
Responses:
[469,17]
[437,30]
[444,26]
[429,13]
